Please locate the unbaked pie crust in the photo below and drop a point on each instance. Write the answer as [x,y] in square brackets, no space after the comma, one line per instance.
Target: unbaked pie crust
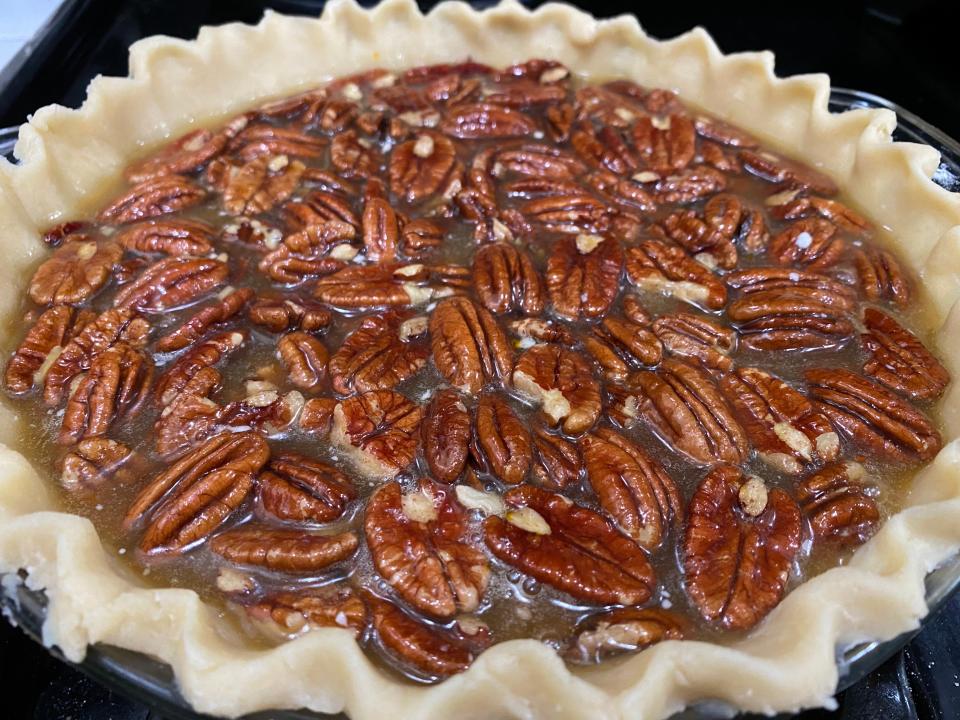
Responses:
[68,160]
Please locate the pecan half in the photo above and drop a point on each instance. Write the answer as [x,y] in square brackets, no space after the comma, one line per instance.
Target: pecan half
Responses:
[469,348]
[811,286]
[506,279]
[838,502]
[611,364]
[337,115]
[633,487]
[263,409]
[445,433]
[262,140]
[561,380]
[39,348]
[484,120]
[176,237]
[454,90]
[399,98]
[623,630]
[784,309]
[282,314]
[696,337]
[524,93]
[379,430]
[811,242]
[190,417]
[375,356]
[298,488]
[290,268]
[788,432]
[607,106]
[689,185]
[721,132]
[738,548]
[104,331]
[711,246]
[91,462]
[501,441]
[199,492]
[782,171]
[881,277]
[260,184]
[794,208]
[630,196]
[305,359]
[726,222]
[899,360]
[265,140]
[635,312]
[319,207]
[223,310]
[872,417]
[541,330]
[75,272]
[313,241]
[666,143]
[583,275]
[172,283]
[295,106]
[369,287]
[420,237]
[572,213]
[683,406]
[291,612]
[604,149]
[617,338]
[283,550]
[556,462]
[540,161]
[117,381]
[560,121]
[570,547]
[150,198]
[186,154]
[127,270]
[715,155]
[660,268]
[428,649]
[423,167]
[546,72]
[204,354]
[317,416]
[420,546]
[381,231]
[353,156]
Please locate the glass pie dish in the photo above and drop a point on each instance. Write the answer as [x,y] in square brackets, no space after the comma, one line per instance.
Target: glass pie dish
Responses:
[151,681]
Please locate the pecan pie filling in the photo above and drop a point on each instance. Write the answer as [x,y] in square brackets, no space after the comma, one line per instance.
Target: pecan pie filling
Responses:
[460,355]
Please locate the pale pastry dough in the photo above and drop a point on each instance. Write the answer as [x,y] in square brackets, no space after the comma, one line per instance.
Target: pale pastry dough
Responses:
[67,162]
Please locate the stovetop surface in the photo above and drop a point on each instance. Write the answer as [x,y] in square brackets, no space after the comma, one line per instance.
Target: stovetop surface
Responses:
[901,50]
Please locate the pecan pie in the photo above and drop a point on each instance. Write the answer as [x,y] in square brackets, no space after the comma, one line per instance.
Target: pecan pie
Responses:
[422,360]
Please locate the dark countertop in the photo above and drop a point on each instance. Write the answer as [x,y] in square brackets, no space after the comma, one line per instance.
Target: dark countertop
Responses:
[898,49]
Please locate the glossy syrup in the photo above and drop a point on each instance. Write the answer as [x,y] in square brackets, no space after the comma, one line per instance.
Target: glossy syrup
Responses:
[515,606]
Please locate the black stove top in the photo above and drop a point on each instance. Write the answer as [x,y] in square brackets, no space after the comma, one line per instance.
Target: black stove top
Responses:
[897,49]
